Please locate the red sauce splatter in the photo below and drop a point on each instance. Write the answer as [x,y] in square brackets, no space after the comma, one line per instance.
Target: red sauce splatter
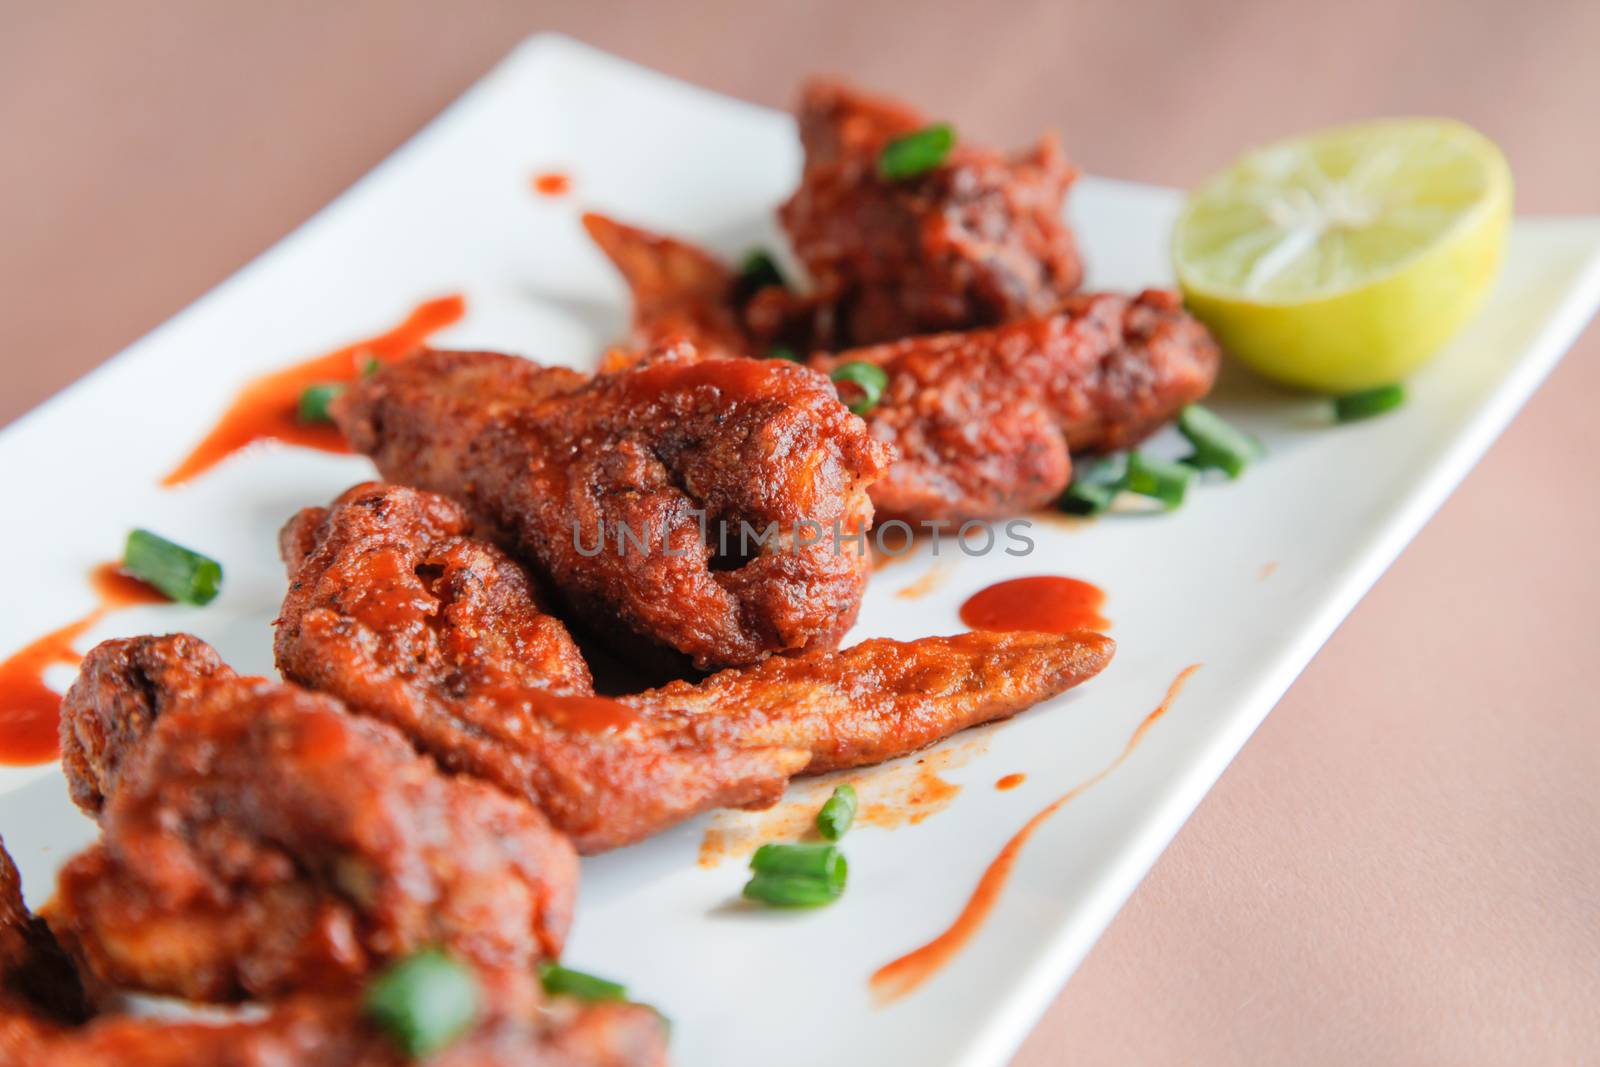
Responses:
[1010,781]
[552,183]
[119,589]
[894,980]
[265,409]
[30,711]
[1051,604]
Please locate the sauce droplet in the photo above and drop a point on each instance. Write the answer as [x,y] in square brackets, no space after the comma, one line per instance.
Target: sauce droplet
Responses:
[552,183]
[1010,781]
[1047,603]
[266,409]
[895,979]
[30,711]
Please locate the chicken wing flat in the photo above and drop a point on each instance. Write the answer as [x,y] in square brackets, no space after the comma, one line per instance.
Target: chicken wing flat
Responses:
[395,611]
[258,840]
[881,699]
[332,1031]
[978,240]
[609,772]
[983,421]
[631,495]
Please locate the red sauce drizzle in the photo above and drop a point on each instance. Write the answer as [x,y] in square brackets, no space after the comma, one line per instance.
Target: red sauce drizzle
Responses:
[1010,781]
[1048,603]
[552,183]
[30,711]
[265,409]
[894,980]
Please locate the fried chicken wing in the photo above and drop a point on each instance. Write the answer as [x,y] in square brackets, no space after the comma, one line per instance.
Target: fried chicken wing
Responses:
[983,421]
[978,240]
[616,489]
[258,839]
[115,700]
[332,1031]
[609,772]
[397,612]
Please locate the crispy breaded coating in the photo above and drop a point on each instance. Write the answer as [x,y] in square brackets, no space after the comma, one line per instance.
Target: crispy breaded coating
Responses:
[983,421]
[36,976]
[393,610]
[881,699]
[260,840]
[115,700]
[980,239]
[617,490]
[609,772]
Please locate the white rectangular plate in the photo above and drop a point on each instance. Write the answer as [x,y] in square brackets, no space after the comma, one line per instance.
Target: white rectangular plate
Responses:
[1249,578]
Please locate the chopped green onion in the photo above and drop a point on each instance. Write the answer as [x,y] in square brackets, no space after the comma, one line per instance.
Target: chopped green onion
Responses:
[783,352]
[1218,444]
[869,378]
[183,575]
[759,270]
[791,890]
[1369,402]
[371,365]
[425,1001]
[916,153]
[1095,484]
[315,400]
[838,813]
[563,981]
[809,861]
[1164,480]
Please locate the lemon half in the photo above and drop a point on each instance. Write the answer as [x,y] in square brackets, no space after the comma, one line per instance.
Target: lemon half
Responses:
[1343,259]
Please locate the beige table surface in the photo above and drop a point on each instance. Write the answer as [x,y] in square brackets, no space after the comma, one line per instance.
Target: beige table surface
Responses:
[1404,864]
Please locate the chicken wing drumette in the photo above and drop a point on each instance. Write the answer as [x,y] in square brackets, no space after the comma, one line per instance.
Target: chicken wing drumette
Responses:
[977,240]
[375,617]
[257,839]
[983,421]
[710,507]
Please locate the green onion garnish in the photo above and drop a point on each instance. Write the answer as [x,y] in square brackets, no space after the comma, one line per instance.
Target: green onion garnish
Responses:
[797,876]
[807,861]
[838,813]
[563,981]
[759,270]
[1218,444]
[783,352]
[869,378]
[425,1001]
[1095,484]
[1369,402]
[791,891]
[183,575]
[916,153]
[315,400]
[1164,480]
[371,365]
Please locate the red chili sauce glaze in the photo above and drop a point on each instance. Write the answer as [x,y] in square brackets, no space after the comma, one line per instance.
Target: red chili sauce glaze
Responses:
[1047,603]
[266,408]
[894,980]
[30,710]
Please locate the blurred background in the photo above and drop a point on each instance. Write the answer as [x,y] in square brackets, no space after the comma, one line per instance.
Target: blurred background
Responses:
[1404,864]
